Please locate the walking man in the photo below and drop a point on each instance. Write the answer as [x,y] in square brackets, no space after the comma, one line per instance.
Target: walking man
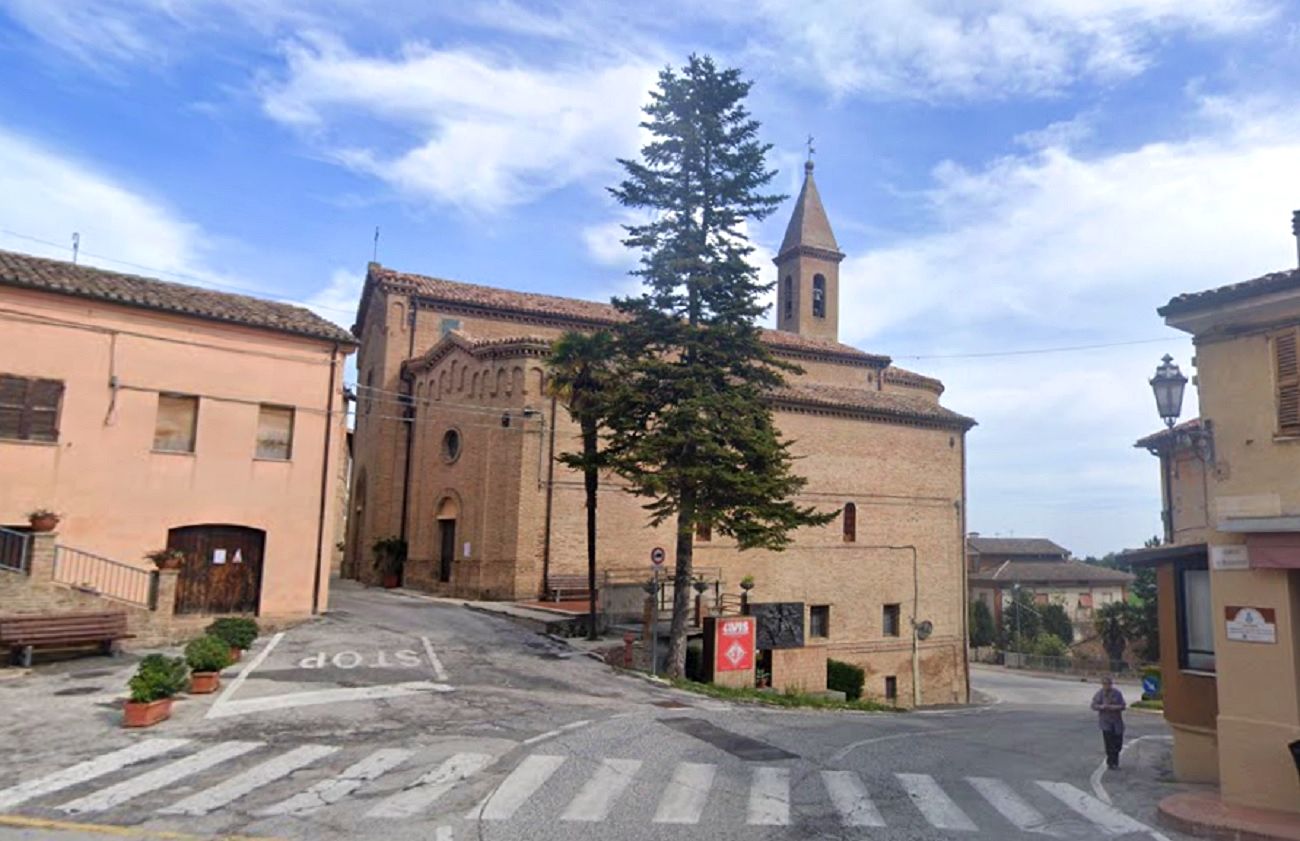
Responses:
[1110,706]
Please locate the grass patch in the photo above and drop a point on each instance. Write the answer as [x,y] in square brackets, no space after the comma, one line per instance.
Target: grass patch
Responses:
[1153,704]
[781,699]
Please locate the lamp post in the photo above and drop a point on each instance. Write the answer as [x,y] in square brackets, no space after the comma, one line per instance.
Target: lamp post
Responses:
[1168,386]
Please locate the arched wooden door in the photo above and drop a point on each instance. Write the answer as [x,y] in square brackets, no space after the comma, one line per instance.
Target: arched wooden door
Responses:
[222,572]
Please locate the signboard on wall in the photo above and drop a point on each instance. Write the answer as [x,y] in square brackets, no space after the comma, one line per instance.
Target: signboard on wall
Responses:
[780,624]
[1251,624]
[1233,556]
[733,644]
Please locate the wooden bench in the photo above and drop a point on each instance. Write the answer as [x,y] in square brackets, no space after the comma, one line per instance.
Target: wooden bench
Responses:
[573,585]
[22,634]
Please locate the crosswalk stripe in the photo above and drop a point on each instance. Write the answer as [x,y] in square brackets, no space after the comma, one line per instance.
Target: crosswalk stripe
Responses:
[516,788]
[937,807]
[333,790]
[85,771]
[597,797]
[254,778]
[421,794]
[116,795]
[683,801]
[851,799]
[1011,805]
[769,797]
[1106,818]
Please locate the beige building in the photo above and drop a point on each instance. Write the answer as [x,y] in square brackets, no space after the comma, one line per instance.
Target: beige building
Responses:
[151,414]
[456,434]
[1233,620]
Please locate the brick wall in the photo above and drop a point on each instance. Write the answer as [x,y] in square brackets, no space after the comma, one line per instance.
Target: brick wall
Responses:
[799,669]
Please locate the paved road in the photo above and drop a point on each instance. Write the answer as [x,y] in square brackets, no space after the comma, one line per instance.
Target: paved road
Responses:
[397,718]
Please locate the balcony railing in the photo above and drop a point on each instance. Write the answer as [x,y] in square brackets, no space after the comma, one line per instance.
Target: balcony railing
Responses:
[105,577]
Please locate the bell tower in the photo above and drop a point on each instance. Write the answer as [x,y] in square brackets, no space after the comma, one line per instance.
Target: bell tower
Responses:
[808,269]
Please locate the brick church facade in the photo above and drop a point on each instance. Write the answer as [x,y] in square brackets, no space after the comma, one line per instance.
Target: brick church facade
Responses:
[456,432]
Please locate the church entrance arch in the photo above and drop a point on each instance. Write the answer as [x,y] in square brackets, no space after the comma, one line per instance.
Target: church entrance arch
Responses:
[448,514]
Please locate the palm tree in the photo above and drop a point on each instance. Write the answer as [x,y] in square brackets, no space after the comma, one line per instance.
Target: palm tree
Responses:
[580,371]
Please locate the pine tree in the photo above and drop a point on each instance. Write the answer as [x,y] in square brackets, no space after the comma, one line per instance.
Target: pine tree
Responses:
[692,430]
[981,624]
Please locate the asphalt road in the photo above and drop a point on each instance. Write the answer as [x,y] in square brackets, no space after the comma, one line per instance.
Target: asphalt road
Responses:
[398,718]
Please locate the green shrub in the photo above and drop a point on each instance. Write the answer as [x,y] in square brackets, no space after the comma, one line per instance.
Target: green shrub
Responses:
[1050,645]
[208,654]
[237,631]
[846,678]
[982,630]
[1057,622]
[158,677]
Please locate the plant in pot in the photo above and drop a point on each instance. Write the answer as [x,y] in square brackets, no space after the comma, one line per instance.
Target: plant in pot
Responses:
[166,558]
[238,632]
[390,556]
[43,520]
[206,656]
[156,680]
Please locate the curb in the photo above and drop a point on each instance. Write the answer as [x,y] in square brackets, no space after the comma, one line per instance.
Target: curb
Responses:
[1223,822]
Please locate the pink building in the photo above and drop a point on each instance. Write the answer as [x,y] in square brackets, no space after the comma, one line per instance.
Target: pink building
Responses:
[150,414]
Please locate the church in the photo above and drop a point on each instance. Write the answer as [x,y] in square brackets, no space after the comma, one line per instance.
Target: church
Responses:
[457,432]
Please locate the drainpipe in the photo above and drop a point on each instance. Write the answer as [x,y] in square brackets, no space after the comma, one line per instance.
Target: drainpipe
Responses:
[965,573]
[324,481]
[408,419]
[550,494]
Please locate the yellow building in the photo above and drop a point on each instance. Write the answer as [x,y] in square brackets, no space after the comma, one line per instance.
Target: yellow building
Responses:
[456,436]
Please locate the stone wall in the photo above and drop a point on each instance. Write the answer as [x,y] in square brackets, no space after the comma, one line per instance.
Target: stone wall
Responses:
[799,669]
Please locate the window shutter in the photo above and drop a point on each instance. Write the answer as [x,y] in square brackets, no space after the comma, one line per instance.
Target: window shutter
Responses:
[43,398]
[1287,361]
[13,399]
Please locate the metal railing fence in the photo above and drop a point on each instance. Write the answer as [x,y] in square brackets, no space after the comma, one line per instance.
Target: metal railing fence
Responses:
[105,577]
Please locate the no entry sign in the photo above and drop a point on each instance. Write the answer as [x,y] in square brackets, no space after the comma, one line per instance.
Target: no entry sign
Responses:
[658,556]
[734,644]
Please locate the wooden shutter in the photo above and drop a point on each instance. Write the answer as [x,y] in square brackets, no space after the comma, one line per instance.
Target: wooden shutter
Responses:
[29,408]
[13,400]
[1287,361]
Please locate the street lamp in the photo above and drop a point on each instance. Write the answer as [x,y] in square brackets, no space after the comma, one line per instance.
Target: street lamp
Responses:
[1168,385]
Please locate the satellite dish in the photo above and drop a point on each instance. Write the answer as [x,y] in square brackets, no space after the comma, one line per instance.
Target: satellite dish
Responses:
[924,629]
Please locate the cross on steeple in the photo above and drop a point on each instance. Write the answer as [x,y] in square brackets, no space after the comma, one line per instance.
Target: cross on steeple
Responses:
[811,149]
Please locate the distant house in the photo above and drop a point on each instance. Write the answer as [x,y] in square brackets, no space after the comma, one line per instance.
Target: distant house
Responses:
[998,565]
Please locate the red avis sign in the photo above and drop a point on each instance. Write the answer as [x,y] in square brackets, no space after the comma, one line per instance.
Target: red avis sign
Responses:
[734,644]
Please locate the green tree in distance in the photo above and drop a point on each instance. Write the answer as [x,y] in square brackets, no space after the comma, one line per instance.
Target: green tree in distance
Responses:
[1057,623]
[982,632]
[691,429]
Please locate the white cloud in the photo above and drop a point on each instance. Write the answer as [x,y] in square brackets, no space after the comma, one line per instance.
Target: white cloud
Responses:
[466,129]
[339,297]
[1006,48]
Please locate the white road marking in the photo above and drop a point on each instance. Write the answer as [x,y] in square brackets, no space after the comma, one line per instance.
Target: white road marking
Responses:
[233,686]
[324,696]
[88,770]
[516,788]
[851,799]
[328,792]
[1011,805]
[551,734]
[687,793]
[438,671]
[937,807]
[917,734]
[421,794]
[597,797]
[107,798]
[251,780]
[1104,816]
[769,797]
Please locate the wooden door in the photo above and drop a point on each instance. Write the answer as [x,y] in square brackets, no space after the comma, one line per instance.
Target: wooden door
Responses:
[222,572]
[447,539]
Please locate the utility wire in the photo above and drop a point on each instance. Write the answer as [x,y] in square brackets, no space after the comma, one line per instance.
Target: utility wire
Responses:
[1029,351]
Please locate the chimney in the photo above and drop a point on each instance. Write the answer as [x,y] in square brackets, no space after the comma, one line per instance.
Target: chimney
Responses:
[1295,229]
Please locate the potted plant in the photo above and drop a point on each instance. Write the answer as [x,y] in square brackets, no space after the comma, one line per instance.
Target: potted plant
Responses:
[747,583]
[390,556]
[156,680]
[166,558]
[43,520]
[238,632]
[206,657]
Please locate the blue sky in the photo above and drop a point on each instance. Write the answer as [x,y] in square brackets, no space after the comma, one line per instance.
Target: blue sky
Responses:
[1004,175]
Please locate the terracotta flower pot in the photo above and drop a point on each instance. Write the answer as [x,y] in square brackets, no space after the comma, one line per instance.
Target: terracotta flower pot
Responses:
[204,683]
[44,523]
[235,654]
[140,714]
[169,563]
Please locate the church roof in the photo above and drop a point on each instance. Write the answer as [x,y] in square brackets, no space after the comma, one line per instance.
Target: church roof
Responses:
[809,227]
[534,306]
[870,402]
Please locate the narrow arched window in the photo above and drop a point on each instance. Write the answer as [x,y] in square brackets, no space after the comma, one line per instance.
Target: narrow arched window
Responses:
[819,296]
[789,296]
[850,522]
[703,532]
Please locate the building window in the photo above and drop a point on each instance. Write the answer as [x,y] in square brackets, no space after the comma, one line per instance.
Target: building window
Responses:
[1286,360]
[29,408]
[890,623]
[703,532]
[275,432]
[819,620]
[850,522]
[1195,620]
[451,445]
[789,297]
[447,325]
[174,429]
[819,296]
[891,688]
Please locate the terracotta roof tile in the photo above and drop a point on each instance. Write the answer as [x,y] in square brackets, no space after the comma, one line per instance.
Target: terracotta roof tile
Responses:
[1016,546]
[1049,572]
[1191,301]
[26,271]
[869,401]
[1156,439]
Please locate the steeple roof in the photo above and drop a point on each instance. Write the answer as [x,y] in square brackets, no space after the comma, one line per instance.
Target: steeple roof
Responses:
[809,226]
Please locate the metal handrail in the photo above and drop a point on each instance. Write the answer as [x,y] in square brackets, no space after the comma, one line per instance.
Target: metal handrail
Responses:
[105,577]
[15,550]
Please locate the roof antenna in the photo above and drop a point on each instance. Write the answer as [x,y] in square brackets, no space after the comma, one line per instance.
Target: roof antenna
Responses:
[374,256]
[76,246]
